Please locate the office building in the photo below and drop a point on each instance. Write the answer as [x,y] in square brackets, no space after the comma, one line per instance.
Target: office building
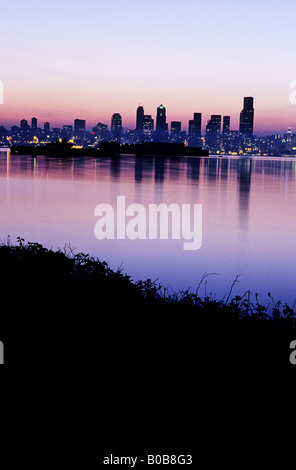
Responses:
[140,119]
[34,123]
[161,131]
[34,130]
[213,131]
[3,134]
[67,132]
[176,135]
[79,129]
[25,129]
[116,127]
[101,132]
[46,129]
[148,127]
[288,141]
[226,125]
[194,130]
[246,121]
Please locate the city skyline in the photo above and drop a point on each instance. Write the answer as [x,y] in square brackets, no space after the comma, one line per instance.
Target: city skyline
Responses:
[226,121]
[90,60]
[218,137]
[131,122]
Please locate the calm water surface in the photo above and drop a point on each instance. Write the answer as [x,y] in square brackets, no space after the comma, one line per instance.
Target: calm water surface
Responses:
[249,216]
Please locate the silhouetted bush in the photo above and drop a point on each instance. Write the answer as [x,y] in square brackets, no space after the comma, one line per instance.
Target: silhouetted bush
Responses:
[31,264]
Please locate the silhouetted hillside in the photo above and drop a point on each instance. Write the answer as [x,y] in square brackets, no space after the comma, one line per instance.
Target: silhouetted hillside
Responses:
[127,365]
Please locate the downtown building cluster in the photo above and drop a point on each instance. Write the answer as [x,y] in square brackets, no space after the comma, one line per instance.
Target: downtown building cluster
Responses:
[218,137]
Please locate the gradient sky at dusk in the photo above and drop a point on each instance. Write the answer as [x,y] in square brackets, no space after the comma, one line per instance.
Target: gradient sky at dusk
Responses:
[63,59]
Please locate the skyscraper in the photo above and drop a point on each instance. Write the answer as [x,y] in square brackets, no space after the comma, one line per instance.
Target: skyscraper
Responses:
[246,120]
[226,125]
[101,132]
[140,119]
[46,129]
[213,130]
[194,130]
[25,129]
[148,127]
[3,134]
[79,128]
[34,123]
[67,132]
[34,130]
[161,125]
[116,127]
[176,131]
[288,139]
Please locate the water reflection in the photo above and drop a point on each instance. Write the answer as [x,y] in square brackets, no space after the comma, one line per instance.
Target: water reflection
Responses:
[201,171]
[193,169]
[159,168]
[244,179]
[248,206]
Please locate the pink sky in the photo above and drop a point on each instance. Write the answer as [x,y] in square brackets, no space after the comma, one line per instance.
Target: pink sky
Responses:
[89,61]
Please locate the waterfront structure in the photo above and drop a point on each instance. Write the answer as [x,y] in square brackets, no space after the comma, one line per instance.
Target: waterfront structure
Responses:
[56,133]
[140,120]
[226,126]
[161,131]
[100,132]
[288,141]
[116,127]
[67,132]
[25,129]
[34,123]
[34,130]
[213,131]
[148,127]
[46,129]
[79,129]
[176,135]
[194,130]
[234,142]
[246,120]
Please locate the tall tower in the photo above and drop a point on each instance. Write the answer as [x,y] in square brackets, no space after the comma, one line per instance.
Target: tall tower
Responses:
[46,128]
[176,135]
[140,119]
[148,126]
[226,125]
[25,129]
[289,143]
[161,125]
[213,130]
[116,127]
[34,123]
[194,130]
[246,120]
[33,127]
[79,128]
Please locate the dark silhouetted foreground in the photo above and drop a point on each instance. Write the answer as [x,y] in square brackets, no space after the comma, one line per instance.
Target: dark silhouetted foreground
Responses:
[99,364]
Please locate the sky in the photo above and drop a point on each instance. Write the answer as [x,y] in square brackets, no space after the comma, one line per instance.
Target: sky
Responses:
[62,60]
